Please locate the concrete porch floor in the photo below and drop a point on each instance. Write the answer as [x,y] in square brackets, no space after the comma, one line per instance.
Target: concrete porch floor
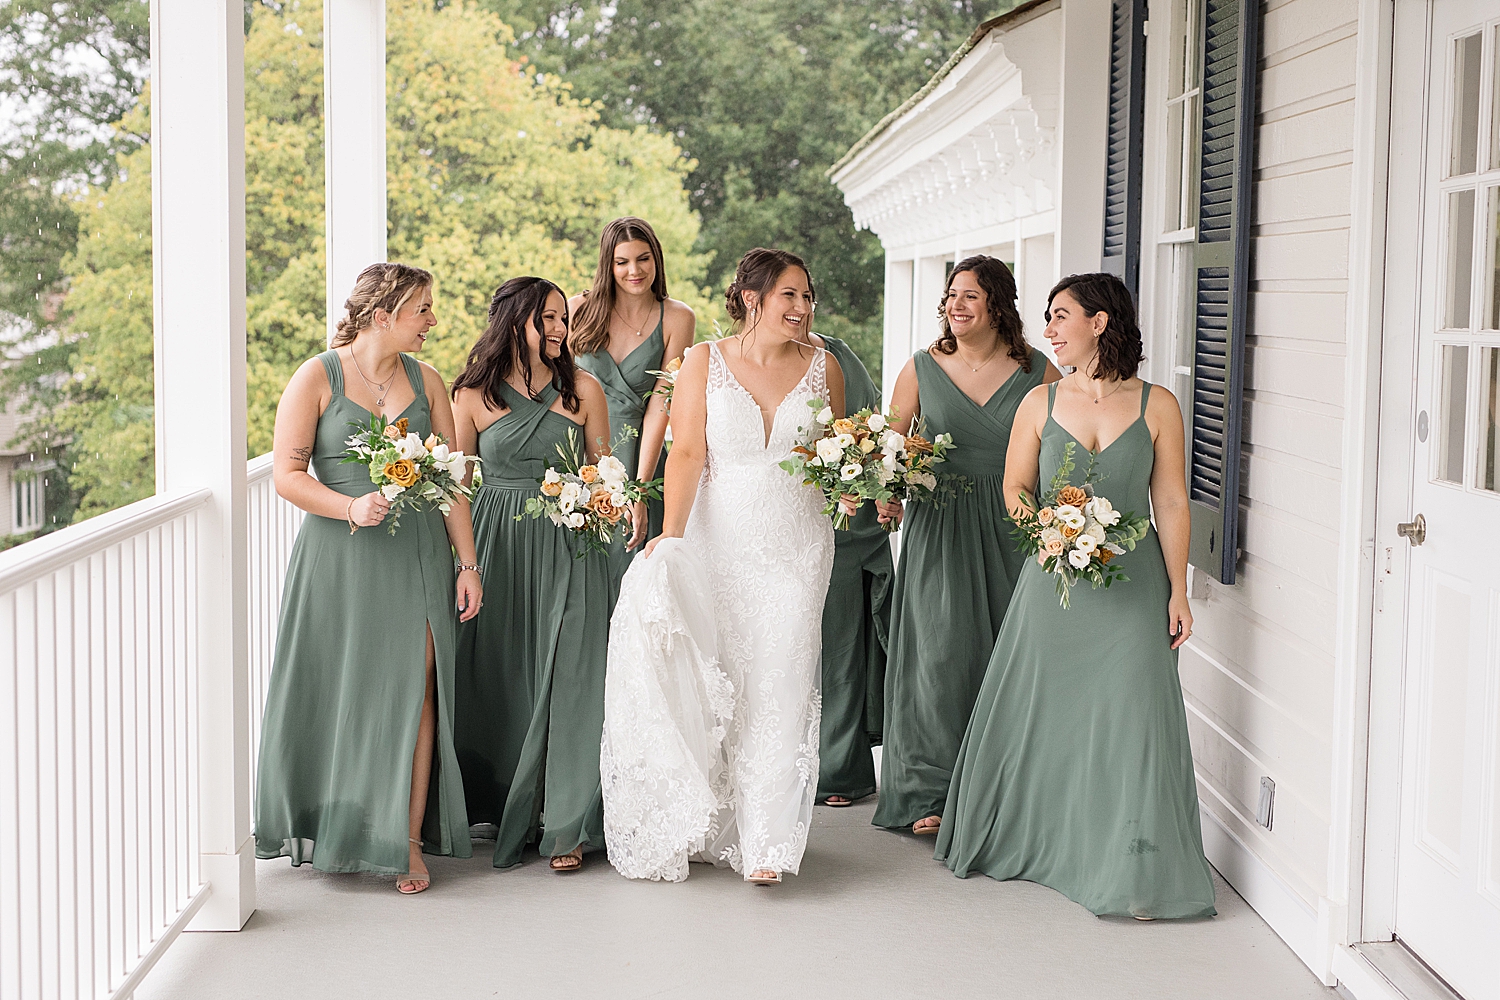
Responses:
[872,916]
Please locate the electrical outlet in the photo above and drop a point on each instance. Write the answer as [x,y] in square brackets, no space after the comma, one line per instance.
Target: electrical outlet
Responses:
[1265,809]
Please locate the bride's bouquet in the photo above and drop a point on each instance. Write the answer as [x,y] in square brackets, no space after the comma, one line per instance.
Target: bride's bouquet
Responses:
[1077,532]
[411,473]
[863,456]
[589,500]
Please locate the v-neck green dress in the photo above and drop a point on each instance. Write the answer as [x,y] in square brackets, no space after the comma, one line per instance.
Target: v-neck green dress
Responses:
[958,567]
[530,676]
[627,385]
[344,701]
[856,622]
[1076,771]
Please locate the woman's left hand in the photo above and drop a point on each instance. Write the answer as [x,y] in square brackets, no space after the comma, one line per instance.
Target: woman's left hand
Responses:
[470,595]
[1179,619]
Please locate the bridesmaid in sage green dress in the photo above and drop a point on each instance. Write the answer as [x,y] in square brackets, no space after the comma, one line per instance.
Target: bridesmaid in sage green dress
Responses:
[1076,771]
[958,561]
[856,622]
[608,338]
[530,676]
[357,767]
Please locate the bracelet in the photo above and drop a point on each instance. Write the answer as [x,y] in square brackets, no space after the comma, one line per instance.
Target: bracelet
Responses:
[349,516]
[463,566]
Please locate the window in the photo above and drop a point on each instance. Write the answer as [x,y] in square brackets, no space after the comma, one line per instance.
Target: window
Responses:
[27,493]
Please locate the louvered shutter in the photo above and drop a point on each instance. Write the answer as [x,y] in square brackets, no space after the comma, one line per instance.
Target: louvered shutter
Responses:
[1122,165]
[1221,272]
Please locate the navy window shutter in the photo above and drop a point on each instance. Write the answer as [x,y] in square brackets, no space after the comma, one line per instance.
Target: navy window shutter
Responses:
[1221,277]
[1123,157]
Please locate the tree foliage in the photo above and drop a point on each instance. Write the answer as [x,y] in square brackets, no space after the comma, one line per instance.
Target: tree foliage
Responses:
[491,172]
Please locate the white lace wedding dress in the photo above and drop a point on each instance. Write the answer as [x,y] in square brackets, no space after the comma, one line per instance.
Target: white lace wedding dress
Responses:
[711,702]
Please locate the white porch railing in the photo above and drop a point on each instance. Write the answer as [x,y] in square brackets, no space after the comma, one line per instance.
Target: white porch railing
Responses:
[99,817]
[99,852]
[273,525]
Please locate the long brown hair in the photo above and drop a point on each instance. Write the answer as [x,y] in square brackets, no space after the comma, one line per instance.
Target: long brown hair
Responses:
[380,286]
[501,349]
[590,330]
[1000,294]
[1119,352]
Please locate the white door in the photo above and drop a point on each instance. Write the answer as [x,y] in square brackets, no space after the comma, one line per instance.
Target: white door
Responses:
[1447,906]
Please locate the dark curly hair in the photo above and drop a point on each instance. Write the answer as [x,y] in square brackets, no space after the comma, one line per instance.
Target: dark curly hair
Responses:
[1000,294]
[757,272]
[501,348]
[1119,352]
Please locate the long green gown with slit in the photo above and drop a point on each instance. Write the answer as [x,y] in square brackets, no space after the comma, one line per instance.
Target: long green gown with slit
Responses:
[345,697]
[1076,771]
[958,568]
[530,676]
[856,620]
[626,385]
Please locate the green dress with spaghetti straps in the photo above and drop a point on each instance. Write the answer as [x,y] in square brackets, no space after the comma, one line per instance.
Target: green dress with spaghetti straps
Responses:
[1076,771]
[344,701]
[958,568]
[856,622]
[627,385]
[530,676]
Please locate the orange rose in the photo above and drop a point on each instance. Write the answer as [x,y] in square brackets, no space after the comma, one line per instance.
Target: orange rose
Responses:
[843,425]
[391,432]
[552,489]
[674,364]
[402,472]
[1072,495]
[1069,532]
[432,442]
[588,473]
[601,504]
[916,444]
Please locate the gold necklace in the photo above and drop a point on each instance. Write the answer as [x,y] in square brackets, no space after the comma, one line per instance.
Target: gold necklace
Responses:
[965,363]
[642,331]
[1118,386]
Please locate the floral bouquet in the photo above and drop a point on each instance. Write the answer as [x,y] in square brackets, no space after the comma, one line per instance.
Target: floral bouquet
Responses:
[590,500]
[916,481]
[1077,532]
[410,472]
[670,376]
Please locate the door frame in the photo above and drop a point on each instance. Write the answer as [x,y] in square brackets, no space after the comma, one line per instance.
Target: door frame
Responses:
[1399,405]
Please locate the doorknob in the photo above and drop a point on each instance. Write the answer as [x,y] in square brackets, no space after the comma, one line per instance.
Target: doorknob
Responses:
[1414,531]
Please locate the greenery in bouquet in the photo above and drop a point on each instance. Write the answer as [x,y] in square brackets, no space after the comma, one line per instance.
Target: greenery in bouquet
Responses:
[412,473]
[669,376]
[1076,533]
[592,501]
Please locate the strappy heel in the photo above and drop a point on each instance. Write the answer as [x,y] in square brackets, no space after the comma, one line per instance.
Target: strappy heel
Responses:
[756,878]
[417,883]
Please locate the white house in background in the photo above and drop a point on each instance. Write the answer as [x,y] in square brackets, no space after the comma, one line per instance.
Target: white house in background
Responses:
[21,481]
[1305,195]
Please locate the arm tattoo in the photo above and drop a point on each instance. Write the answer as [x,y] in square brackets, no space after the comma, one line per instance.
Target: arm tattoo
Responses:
[302,454]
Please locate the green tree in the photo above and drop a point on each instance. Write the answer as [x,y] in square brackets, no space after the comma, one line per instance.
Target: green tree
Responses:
[491,172]
[765,95]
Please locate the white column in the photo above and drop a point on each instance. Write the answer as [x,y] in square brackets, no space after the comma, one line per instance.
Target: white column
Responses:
[198,242]
[1082,134]
[896,346]
[353,143]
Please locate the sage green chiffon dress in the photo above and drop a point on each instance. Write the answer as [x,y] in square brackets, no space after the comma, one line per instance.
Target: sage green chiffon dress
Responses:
[856,620]
[958,568]
[626,387]
[345,697]
[530,675]
[1076,771]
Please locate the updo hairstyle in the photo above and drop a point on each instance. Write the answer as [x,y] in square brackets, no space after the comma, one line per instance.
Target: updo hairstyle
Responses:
[1119,352]
[757,272]
[380,286]
[1000,292]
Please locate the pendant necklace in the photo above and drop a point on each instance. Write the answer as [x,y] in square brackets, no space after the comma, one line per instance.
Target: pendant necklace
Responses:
[642,331]
[1118,386]
[377,389]
[971,368]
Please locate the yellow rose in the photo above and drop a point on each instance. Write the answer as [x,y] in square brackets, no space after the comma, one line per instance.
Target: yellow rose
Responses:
[867,445]
[432,442]
[843,425]
[588,473]
[552,489]
[402,472]
[674,364]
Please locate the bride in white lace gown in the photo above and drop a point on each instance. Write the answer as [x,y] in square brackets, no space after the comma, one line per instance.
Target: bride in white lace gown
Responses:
[710,748]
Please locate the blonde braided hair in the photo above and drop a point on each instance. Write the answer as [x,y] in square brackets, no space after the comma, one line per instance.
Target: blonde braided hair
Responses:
[380,286]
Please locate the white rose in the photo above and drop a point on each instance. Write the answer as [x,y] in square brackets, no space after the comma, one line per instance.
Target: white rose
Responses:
[1093,529]
[571,494]
[551,476]
[575,520]
[391,491]
[889,460]
[1085,543]
[884,475]
[1101,510]
[410,447]
[891,441]
[612,470]
[1078,559]
[876,423]
[829,450]
[441,454]
[1050,534]
[617,498]
[457,464]
[825,415]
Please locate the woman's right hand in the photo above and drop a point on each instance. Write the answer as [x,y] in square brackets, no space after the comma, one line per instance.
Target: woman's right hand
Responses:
[889,511]
[369,510]
[651,545]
